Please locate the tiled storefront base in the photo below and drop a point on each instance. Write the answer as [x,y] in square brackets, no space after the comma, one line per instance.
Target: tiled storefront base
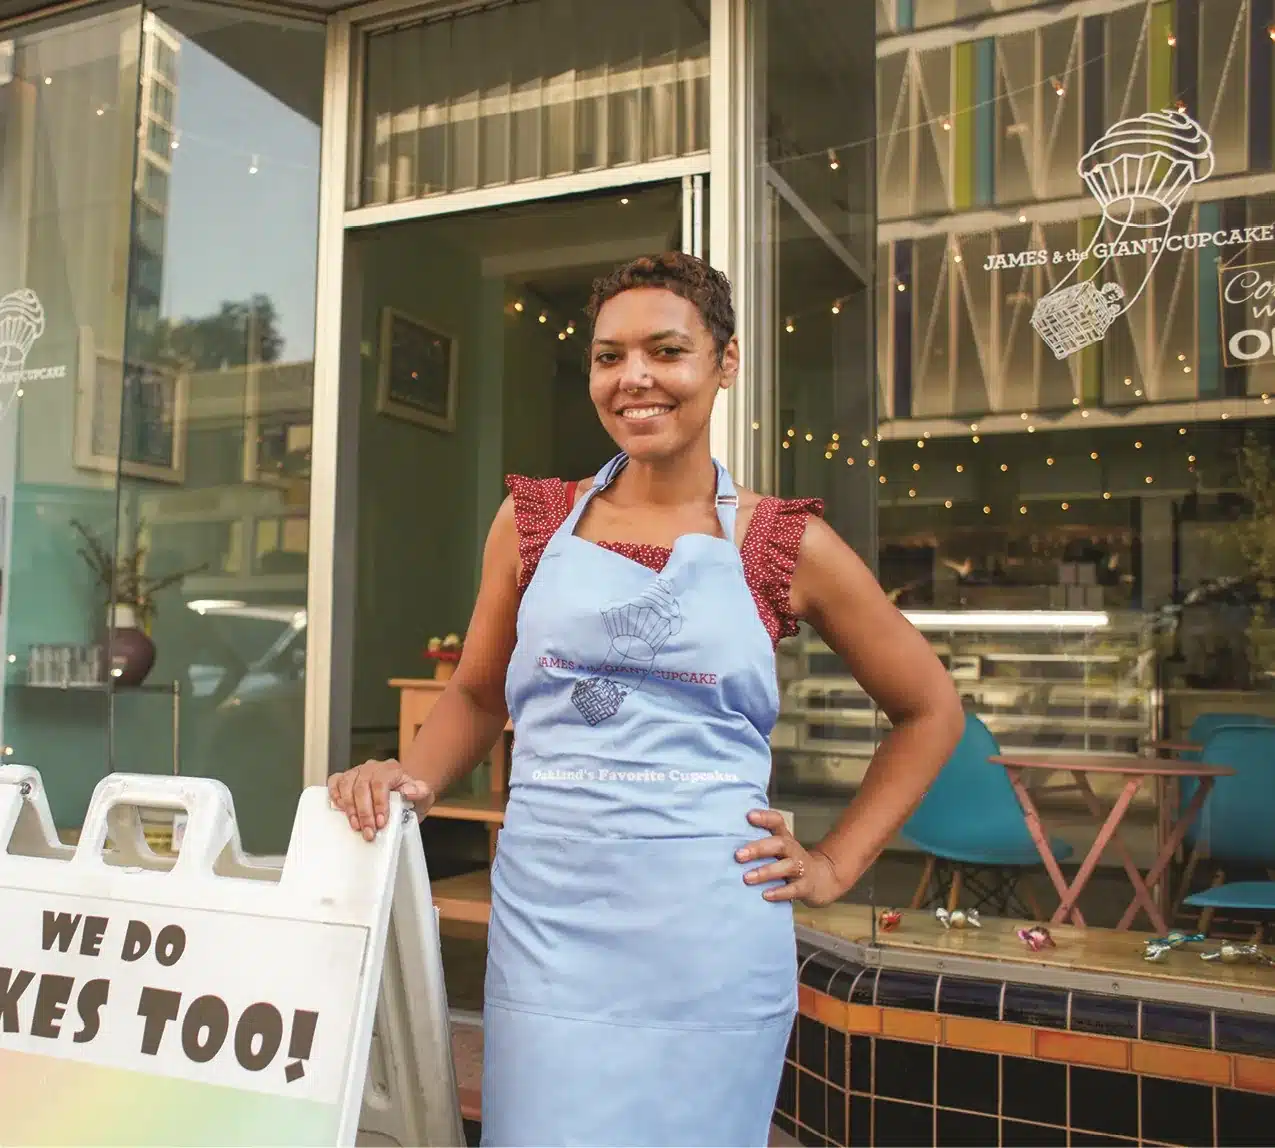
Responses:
[893,1056]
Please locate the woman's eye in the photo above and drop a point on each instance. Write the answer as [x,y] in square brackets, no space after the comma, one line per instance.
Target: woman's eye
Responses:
[671,352]
[606,359]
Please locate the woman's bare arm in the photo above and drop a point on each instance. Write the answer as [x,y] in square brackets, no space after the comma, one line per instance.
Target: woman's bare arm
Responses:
[836,593]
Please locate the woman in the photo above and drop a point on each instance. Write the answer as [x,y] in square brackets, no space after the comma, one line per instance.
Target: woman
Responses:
[641,978]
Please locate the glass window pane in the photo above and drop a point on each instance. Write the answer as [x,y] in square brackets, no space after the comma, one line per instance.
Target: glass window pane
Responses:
[522,91]
[68,106]
[213,398]
[1078,389]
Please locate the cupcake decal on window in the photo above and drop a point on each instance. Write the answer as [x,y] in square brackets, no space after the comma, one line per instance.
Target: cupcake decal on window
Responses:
[638,631]
[1139,172]
[21,324]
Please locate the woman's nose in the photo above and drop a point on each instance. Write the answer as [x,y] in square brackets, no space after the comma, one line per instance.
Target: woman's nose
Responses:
[635,374]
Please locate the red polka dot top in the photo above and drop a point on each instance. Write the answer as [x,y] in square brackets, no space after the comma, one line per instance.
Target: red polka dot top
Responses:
[769,549]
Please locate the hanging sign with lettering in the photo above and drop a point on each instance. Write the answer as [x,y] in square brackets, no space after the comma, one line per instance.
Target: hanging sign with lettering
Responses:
[1247,297]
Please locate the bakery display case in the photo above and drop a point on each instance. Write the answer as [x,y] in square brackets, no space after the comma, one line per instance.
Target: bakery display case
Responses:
[1063,681]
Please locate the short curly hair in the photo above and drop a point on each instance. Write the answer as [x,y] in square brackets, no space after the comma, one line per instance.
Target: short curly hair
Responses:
[693,279]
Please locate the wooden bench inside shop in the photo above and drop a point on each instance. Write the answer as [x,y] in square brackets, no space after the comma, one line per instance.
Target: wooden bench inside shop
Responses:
[466,897]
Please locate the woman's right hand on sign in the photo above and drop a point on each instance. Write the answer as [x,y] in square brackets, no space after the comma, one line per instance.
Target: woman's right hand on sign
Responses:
[363,794]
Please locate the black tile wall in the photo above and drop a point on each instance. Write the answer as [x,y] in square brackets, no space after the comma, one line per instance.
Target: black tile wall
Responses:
[904,1071]
[969,1080]
[865,987]
[786,1101]
[1237,1032]
[964,1128]
[860,1090]
[899,989]
[961,996]
[861,1063]
[1174,1112]
[837,1104]
[1036,1006]
[812,1045]
[812,1101]
[1103,1101]
[898,1125]
[1107,1016]
[860,1120]
[1244,1119]
[1034,1090]
[1177,1024]
[1020,1134]
[817,970]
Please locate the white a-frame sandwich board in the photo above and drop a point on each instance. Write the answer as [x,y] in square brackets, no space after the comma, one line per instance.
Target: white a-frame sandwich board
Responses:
[147,1000]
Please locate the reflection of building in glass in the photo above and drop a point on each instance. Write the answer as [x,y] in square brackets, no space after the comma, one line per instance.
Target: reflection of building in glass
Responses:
[156,141]
[983,211]
[1075,213]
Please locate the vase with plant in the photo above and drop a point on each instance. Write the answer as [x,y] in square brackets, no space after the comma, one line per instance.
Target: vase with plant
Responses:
[130,597]
[445,653]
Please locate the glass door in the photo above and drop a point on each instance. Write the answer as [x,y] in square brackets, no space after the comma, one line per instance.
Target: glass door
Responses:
[472,352]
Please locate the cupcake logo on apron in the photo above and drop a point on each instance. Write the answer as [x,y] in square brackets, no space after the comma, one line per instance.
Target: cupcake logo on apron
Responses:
[1139,172]
[638,631]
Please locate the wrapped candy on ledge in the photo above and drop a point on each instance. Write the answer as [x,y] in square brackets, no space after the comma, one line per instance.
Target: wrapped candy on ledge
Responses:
[958,918]
[1231,953]
[1036,938]
[889,920]
[1158,947]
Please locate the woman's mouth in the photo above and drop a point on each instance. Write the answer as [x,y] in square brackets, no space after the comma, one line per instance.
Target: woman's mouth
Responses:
[641,414]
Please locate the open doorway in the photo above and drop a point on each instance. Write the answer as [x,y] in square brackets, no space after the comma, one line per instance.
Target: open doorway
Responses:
[473,365]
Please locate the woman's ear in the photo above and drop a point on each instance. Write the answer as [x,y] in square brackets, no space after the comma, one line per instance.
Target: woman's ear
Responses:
[730,363]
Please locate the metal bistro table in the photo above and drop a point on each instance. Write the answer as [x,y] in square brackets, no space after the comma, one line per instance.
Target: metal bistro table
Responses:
[1135,770]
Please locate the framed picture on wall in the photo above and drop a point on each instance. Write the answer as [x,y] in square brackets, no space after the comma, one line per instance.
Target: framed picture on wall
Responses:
[416,372]
[131,415]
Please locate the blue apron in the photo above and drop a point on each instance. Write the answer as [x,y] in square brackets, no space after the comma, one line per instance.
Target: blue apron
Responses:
[637,991]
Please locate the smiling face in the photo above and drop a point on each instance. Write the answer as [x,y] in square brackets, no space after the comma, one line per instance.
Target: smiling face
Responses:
[655,372]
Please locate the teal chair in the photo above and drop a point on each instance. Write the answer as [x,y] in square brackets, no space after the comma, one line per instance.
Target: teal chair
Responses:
[1236,826]
[971,828]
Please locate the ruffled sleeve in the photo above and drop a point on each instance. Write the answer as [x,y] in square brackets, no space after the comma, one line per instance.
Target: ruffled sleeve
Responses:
[769,553]
[540,507]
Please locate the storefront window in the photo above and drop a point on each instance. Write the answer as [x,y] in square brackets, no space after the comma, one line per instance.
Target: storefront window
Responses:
[1074,382]
[68,102]
[813,264]
[216,405]
[531,90]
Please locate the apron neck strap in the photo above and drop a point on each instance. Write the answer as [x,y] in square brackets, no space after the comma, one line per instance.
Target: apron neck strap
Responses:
[727,500]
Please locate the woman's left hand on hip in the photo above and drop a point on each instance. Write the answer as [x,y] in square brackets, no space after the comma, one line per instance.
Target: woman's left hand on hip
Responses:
[808,875]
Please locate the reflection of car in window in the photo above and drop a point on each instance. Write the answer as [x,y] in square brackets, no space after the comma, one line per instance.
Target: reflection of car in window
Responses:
[247,689]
